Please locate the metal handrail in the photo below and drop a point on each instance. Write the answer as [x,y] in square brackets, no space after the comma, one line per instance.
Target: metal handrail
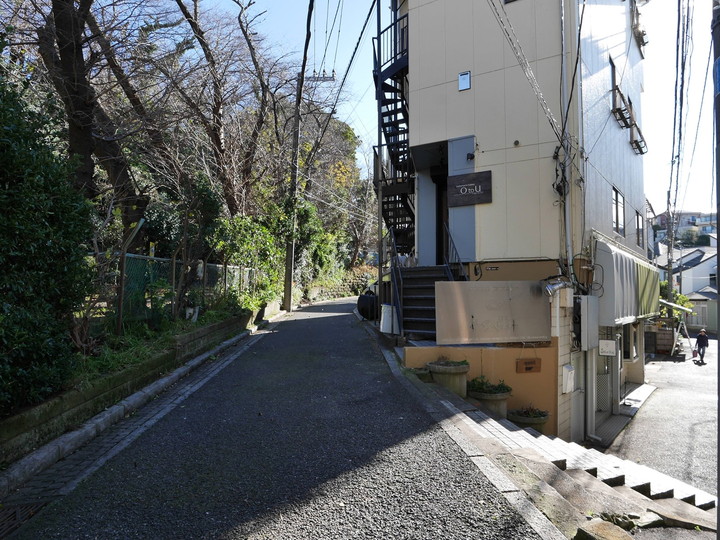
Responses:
[454,258]
[395,279]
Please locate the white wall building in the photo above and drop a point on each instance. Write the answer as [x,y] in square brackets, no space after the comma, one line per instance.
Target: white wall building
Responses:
[522,123]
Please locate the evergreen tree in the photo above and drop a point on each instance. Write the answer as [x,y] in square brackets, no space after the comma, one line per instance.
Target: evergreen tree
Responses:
[44,274]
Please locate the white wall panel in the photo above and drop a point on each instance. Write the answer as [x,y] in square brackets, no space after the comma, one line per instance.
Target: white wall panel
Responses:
[490,113]
[459,50]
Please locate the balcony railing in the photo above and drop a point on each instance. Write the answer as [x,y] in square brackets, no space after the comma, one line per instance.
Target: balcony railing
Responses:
[392,44]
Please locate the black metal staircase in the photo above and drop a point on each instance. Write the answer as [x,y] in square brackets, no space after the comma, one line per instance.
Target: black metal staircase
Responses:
[418,299]
[397,173]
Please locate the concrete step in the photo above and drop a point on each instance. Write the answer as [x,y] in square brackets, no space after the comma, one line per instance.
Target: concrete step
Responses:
[553,453]
[637,480]
[681,490]
[606,468]
[675,513]
[609,474]
[419,311]
[564,495]
[421,334]
[589,495]
[566,517]
[419,300]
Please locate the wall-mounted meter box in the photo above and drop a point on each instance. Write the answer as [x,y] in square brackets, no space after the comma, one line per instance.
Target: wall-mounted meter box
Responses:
[587,310]
[568,379]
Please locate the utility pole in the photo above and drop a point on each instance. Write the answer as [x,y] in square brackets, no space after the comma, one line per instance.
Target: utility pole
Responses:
[295,172]
[670,228]
[716,79]
[290,244]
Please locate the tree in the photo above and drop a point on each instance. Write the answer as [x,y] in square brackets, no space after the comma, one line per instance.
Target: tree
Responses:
[677,298]
[45,276]
[91,131]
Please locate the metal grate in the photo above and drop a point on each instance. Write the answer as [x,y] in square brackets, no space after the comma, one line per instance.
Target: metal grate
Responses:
[12,517]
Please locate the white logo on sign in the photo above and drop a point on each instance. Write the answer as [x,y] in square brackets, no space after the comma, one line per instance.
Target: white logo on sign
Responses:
[466,189]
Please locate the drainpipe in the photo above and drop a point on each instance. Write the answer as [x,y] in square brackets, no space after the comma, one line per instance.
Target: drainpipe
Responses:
[565,102]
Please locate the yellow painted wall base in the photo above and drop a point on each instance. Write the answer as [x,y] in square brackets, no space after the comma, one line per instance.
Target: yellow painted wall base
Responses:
[499,363]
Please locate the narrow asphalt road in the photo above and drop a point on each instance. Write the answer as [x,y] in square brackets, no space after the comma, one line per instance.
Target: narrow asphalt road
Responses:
[304,434]
[676,430]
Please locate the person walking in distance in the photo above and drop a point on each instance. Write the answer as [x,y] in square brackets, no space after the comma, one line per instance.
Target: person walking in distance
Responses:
[701,343]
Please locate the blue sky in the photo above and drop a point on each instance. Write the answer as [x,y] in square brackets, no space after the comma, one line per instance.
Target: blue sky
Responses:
[697,180]
[284,26]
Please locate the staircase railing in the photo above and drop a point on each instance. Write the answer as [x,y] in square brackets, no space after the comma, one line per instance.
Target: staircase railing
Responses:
[395,278]
[452,260]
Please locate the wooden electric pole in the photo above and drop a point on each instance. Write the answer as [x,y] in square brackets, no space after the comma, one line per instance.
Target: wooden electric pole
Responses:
[290,244]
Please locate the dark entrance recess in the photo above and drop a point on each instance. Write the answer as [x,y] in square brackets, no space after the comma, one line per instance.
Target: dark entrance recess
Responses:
[439,177]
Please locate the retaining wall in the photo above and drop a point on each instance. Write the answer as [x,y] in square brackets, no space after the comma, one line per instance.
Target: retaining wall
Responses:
[22,433]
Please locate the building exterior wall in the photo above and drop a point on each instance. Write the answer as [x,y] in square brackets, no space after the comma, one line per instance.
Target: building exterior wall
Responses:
[425,212]
[610,160]
[562,314]
[695,278]
[513,138]
[498,363]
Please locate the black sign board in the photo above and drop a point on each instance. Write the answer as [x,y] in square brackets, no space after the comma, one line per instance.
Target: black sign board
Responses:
[469,189]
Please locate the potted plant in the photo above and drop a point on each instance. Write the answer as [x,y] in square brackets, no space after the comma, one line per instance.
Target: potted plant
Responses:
[450,374]
[492,397]
[529,416]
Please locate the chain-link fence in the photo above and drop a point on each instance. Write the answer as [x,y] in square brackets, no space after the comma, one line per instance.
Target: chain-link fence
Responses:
[147,287]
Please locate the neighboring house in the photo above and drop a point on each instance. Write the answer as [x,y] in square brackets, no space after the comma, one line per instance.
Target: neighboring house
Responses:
[694,274]
[698,222]
[704,313]
[511,160]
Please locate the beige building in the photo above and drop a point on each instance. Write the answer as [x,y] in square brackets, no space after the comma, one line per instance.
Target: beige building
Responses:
[512,155]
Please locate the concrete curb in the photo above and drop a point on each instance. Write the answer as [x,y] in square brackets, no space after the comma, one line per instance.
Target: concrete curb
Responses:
[49,454]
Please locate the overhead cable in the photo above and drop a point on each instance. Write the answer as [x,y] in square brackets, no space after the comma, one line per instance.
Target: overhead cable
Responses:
[502,18]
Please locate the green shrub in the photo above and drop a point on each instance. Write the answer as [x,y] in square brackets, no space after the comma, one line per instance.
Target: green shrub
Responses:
[484,386]
[44,275]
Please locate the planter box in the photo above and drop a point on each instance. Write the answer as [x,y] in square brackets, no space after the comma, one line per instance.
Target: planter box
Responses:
[537,423]
[494,403]
[452,377]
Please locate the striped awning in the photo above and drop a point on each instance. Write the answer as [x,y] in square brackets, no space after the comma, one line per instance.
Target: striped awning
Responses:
[629,286]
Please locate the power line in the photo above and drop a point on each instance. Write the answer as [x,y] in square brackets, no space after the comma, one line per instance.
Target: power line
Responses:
[512,39]
[347,71]
[329,37]
[681,48]
[697,126]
